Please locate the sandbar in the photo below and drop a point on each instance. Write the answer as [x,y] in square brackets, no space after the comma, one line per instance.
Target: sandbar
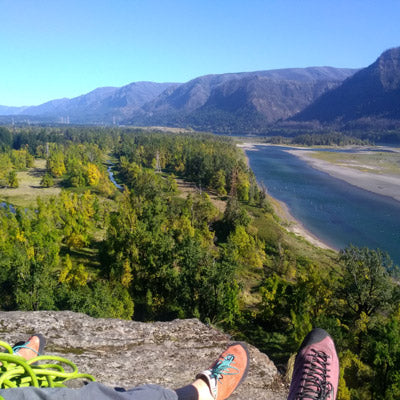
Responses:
[385,185]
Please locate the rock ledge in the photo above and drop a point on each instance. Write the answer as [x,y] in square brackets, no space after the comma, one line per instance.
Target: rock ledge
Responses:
[129,353]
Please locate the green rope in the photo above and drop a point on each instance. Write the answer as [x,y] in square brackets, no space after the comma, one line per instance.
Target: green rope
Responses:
[15,371]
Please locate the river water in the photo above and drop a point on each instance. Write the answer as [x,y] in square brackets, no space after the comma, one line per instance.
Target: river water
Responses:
[111,176]
[336,212]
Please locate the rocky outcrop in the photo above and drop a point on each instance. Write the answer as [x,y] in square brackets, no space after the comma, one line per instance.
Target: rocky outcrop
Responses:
[123,353]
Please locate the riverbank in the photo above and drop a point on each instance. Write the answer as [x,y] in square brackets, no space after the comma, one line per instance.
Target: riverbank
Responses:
[289,222]
[383,184]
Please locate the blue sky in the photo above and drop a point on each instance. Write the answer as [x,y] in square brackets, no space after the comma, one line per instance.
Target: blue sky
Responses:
[63,48]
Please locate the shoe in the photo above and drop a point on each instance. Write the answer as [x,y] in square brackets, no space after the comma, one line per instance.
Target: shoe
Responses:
[316,369]
[32,348]
[227,373]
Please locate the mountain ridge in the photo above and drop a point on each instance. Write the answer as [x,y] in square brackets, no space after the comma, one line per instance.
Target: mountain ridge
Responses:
[108,101]
[373,92]
[171,104]
[195,103]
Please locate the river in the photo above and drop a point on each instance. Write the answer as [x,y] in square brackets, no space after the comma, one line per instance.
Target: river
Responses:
[336,212]
[111,176]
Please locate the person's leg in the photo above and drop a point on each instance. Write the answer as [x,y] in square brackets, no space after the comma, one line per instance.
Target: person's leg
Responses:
[216,383]
[91,391]
[198,390]
[221,379]
[316,369]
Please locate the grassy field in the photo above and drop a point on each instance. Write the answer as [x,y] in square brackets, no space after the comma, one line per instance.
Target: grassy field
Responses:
[374,162]
[29,187]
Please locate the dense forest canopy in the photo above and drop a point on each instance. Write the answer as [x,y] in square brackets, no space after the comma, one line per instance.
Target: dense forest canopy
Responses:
[155,252]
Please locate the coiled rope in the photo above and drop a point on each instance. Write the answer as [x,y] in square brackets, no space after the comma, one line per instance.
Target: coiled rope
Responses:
[15,371]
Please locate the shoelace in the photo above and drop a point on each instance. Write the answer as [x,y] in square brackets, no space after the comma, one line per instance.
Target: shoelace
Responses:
[224,367]
[22,346]
[15,371]
[315,385]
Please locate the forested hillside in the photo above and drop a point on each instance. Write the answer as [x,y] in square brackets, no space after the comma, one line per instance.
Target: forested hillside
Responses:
[152,252]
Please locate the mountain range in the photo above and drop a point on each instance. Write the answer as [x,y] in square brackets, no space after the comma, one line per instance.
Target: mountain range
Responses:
[100,106]
[247,102]
[237,102]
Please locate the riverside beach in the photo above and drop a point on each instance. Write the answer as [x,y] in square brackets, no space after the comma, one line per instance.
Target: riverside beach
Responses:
[331,208]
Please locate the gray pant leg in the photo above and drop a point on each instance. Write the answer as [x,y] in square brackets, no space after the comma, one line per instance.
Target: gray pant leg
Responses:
[92,391]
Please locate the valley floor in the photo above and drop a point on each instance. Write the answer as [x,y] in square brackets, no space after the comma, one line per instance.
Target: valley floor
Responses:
[29,187]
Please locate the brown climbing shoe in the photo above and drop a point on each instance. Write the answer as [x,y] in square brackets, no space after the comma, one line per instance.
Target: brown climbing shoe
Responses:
[32,348]
[226,374]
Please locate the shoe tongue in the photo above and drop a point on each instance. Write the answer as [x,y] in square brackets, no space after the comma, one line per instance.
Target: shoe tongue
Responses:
[211,382]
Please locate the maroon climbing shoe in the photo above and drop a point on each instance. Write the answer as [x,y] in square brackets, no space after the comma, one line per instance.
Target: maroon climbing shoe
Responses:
[316,369]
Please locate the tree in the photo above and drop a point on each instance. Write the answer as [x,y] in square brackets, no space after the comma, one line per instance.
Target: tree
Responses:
[78,215]
[355,378]
[77,275]
[383,352]
[5,169]
[243,186]
[365,283]
[202,209]
[47,181]
[12,179]
[21,159]
[55,164]
[218,183]
[235,215]
[6,139]
[246,250]
[93,174]
[367,289]
[29,256]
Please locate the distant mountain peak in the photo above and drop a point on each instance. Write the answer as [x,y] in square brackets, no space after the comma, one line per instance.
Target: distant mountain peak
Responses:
[388,65]
[372,93]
